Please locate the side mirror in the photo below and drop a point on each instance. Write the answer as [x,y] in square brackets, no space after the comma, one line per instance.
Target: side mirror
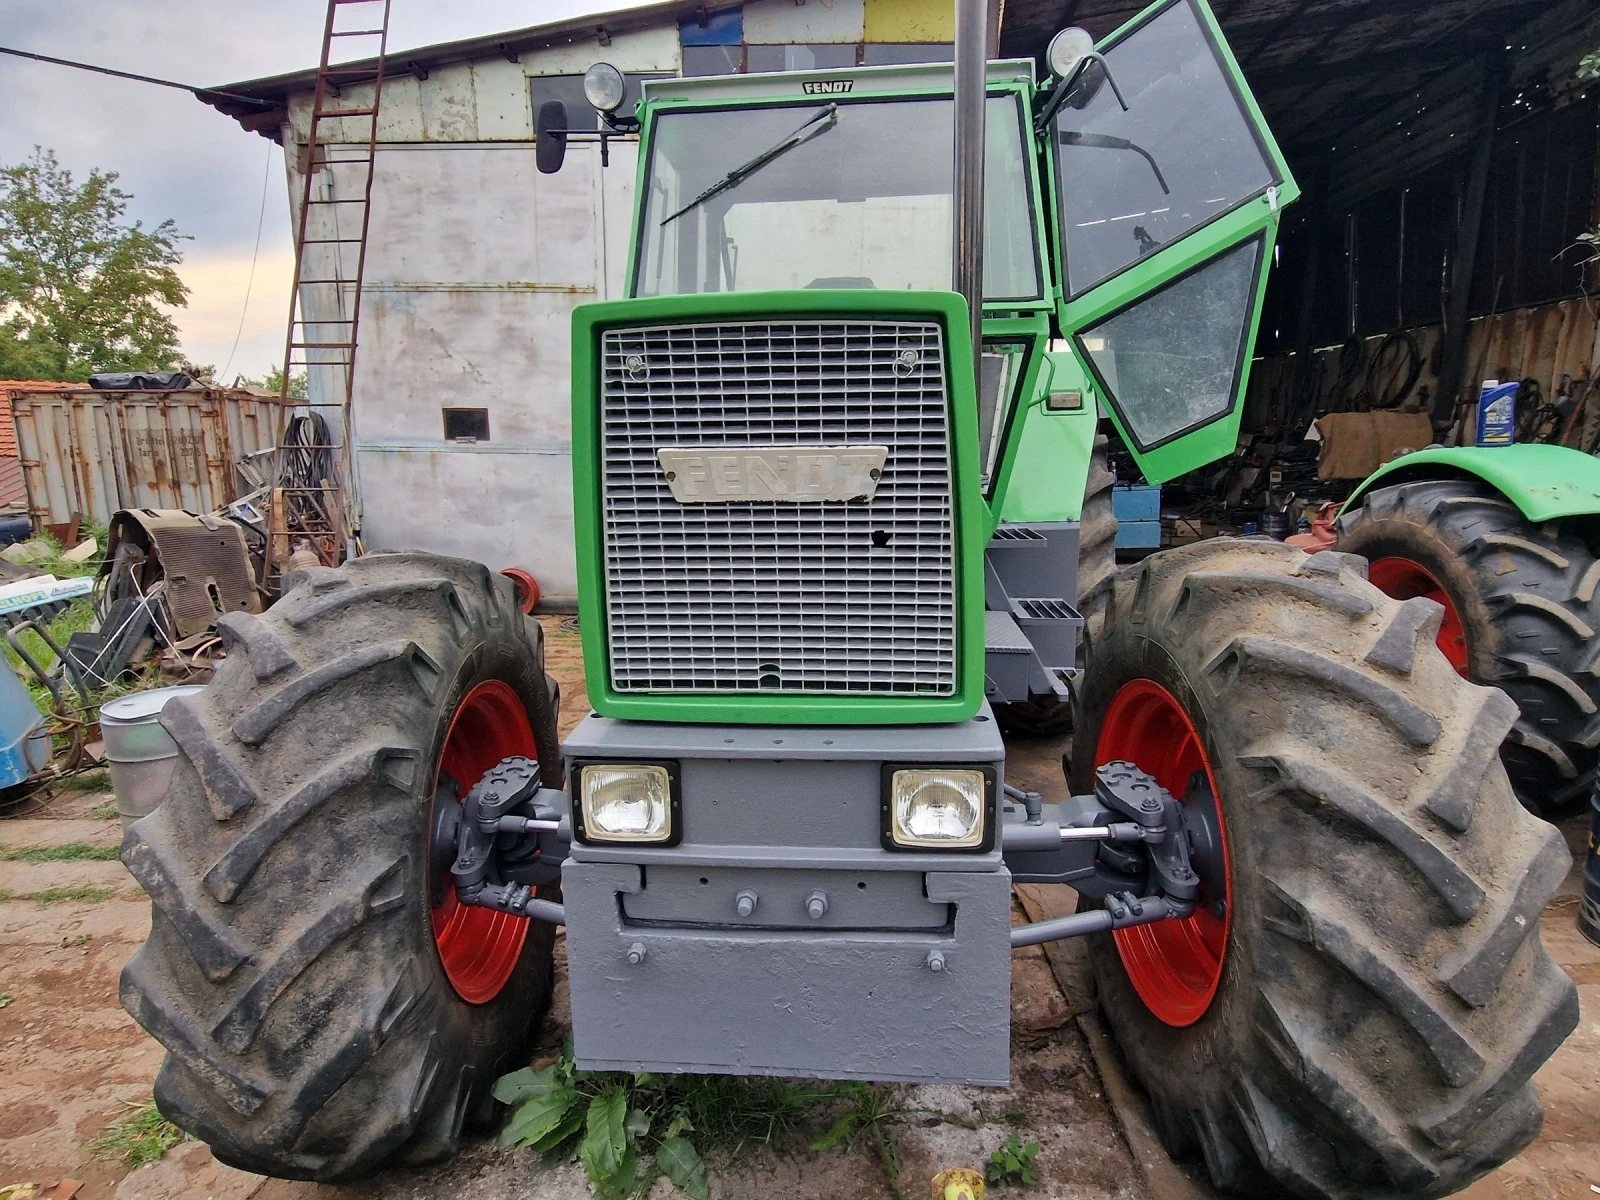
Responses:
[1091,78]
[550,128]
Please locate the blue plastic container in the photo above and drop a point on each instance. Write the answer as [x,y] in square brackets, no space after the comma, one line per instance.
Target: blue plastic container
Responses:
[1497,413]
[24,744]
[1130,503]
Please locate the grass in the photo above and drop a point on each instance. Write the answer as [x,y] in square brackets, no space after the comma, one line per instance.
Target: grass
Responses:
[1012,1164]
[141,1136]
[77,617]
[97,779]
[105,812]
[66,895]
[71,852]
[627,1130]
[729,1113]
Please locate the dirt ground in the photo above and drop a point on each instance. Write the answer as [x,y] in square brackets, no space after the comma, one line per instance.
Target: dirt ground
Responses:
[71,1062]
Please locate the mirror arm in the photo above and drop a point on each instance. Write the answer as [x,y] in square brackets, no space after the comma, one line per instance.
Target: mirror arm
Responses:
[603,136]
[1110,141]
[1063,89]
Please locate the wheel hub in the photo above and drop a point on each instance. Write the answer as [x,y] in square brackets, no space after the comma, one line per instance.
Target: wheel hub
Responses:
[478,947]
[1203,826]
[443,835]
[1175,966]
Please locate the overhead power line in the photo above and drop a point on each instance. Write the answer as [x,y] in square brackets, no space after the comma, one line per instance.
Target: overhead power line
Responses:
[199,92]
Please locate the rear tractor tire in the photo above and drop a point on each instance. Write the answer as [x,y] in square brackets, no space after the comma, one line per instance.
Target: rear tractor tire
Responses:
[1097,566]
[1521,614]
[327,1007]
[1357,1007]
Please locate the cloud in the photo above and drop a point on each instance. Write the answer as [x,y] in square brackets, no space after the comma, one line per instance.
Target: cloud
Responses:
[217,292]
[181,159]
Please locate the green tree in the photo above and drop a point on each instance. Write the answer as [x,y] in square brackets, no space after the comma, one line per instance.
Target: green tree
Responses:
[81,288]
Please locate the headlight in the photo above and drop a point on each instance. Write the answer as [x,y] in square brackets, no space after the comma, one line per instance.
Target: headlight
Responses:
[1066,50]
[604,88]
[938,808]
[626,802]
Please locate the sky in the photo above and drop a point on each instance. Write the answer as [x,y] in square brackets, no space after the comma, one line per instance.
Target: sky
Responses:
[185,161]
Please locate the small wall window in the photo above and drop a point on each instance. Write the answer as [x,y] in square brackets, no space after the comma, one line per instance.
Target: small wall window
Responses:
[466,424]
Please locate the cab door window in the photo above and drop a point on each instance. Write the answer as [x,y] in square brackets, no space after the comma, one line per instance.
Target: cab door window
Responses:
[1172,361]
[1183,154]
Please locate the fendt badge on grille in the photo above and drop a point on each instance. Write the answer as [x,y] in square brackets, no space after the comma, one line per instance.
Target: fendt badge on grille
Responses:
[720,474]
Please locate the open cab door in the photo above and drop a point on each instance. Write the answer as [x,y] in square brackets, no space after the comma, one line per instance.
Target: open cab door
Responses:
[1168,190]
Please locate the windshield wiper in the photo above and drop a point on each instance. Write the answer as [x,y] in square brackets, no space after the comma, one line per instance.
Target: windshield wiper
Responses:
[1110,141]
[823,121]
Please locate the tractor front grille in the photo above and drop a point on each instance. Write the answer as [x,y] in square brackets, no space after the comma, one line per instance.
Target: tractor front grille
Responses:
[834,598]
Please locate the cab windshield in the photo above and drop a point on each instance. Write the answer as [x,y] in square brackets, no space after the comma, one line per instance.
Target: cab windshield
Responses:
[858,195]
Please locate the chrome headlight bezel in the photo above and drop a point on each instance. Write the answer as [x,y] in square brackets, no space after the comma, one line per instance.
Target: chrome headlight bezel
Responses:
[990,814]
[580,825]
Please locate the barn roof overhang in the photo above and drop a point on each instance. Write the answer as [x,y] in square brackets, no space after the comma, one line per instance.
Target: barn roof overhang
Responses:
[1358,92]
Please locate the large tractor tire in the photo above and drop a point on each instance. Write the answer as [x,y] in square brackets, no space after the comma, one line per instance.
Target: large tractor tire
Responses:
[326,1005]
[1358,1005]
[1097,565]
[1521,614]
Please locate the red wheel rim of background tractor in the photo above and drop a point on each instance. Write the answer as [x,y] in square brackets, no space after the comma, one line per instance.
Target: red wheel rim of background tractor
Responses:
[1175,966]
[479,947]
[527,589]
[1404,579]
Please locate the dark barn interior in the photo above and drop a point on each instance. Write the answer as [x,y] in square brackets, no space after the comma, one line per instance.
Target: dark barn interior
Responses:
[1447,153]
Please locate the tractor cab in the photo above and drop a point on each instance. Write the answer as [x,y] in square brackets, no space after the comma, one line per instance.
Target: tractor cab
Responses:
[1130,208]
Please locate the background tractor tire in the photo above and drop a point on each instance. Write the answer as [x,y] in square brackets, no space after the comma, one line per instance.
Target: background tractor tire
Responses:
[1097,565]
[1380,997]
[1526,604]
[293,972]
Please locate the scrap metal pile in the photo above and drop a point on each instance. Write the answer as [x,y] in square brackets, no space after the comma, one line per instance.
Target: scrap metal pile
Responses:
[167,577]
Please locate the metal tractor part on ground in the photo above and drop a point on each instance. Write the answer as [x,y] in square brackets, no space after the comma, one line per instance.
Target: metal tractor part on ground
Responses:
[820,538]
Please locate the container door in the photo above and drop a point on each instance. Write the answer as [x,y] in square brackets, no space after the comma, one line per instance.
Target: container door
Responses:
[1167,213]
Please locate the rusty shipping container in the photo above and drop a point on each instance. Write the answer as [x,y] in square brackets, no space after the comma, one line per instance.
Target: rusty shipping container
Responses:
[91,453]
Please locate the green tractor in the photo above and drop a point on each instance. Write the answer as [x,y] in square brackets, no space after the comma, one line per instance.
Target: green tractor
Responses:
[831,512]
[1506,540]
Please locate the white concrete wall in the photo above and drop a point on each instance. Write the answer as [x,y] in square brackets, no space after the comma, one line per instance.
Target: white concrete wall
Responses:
[474,264]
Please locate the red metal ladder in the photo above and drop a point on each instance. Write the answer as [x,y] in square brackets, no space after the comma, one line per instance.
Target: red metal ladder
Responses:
[311,505]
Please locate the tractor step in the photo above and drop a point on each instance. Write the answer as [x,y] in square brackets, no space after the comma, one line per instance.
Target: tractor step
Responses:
[1007,655]
[1029,560]
[1053,627]
[1031,649]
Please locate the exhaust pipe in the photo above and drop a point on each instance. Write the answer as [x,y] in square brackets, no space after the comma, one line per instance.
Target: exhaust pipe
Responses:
[971,69]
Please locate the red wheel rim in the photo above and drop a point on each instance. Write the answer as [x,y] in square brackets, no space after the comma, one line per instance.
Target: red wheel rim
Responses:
[1175,966]
[527,589]
[1404,579]
[479,947]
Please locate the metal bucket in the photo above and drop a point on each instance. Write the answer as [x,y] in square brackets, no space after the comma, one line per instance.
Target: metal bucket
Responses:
[1589,909]
[141,755]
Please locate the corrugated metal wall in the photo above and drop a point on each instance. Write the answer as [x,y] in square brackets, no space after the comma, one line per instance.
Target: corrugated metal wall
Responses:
[90,453]
[1547,343]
